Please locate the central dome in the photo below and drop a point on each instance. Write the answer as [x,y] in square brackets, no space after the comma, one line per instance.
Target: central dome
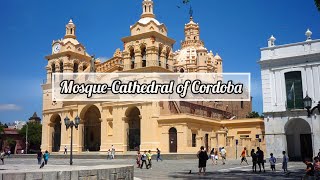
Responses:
[146,20]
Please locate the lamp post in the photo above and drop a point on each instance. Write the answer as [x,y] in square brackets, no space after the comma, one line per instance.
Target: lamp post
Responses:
[307,101]
[71,124]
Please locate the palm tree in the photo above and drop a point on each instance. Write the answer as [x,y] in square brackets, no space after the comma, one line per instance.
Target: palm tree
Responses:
[317,2]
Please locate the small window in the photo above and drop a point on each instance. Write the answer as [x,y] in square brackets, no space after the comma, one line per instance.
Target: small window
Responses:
[241,104]
[194,140]
[61,67]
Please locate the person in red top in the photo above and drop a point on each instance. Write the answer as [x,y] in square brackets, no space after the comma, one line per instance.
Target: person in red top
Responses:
[243,156]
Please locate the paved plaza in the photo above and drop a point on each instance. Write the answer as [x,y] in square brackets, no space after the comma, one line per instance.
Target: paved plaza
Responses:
[167,169]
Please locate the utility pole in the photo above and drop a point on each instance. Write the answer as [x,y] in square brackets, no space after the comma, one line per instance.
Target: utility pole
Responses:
[26,138]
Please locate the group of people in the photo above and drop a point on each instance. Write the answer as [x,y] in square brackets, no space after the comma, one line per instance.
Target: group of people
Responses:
[111,152]
[146,159]
[313,168]
[44,156]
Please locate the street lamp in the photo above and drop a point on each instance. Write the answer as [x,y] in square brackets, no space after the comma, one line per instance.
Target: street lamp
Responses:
[71,124]
[307,101]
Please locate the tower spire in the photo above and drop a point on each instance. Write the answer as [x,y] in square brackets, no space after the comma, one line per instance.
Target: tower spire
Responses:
[147,9]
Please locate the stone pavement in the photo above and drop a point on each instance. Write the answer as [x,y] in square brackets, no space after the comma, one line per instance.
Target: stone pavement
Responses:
[168,169]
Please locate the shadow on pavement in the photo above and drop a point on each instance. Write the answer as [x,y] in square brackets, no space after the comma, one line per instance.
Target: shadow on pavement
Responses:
[237,174]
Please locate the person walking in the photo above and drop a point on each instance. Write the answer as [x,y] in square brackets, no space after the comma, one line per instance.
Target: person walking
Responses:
[144,160]
[223,154]
[9,153]
[158,155]
[212,155]
[138,159]
[39,157]
[149,156]
[285,160]
[272,161]
[260,156]
[65,150]
[243,156]
[113,151]
[108,154]
[46,157]
[203,157]
[216,157]
[254,160]
[2,154]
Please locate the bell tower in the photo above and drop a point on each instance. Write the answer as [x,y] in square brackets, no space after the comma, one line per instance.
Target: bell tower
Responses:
[147,9]
[70,30]
[148,48]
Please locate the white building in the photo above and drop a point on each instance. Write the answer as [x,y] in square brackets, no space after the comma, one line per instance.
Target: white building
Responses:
[289,73]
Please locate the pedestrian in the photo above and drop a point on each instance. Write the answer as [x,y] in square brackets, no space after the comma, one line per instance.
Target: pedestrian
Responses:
[2,154]
[216,157]
[65,150]
[309,170]
[108,155]
[46,157]
[223,154]
[203,157]
[285,160]
[212,155]
[22,151]
[9,153]
[272,161]
[39,156]
[316,168]
[149,156]
[254,160]
[144,160]
[243,156]
[138,159]
[113,151]
[158,155]
[260,157]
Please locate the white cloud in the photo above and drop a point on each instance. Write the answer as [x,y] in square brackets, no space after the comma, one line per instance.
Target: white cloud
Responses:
[9,107]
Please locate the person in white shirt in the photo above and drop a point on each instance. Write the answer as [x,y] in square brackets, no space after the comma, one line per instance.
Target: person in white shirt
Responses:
[223,153]
[272,161]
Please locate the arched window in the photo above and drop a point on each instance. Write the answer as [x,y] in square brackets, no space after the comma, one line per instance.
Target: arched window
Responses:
[53,68]
[144,56]
[145,8]
[132,56]
[294,90]
[84,67]
[181,70]
[75,67]
[61,66]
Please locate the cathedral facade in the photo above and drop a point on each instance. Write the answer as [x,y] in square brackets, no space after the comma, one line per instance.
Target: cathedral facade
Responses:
[173,127]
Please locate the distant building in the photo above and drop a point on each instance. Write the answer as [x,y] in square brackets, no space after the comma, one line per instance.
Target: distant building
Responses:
[34,118]
[289,73]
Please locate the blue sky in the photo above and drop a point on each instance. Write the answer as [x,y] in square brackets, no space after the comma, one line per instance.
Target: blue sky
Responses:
[235,29]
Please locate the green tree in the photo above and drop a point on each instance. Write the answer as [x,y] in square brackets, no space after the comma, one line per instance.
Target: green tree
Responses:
[34,135]
[11,142]
[254,114]
[317,2]
[1,135]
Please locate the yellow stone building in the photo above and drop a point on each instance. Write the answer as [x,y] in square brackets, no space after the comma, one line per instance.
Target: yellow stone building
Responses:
[174,127]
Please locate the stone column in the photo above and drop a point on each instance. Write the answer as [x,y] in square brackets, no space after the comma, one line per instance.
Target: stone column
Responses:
[138,58]
[126,61]
[45,133]
[163,58]
[221,138]
[104,133]
[119,134]
[49,74]
[80,135]
[64,133]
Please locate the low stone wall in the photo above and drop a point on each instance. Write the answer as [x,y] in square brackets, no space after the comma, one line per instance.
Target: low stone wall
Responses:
[83,173]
